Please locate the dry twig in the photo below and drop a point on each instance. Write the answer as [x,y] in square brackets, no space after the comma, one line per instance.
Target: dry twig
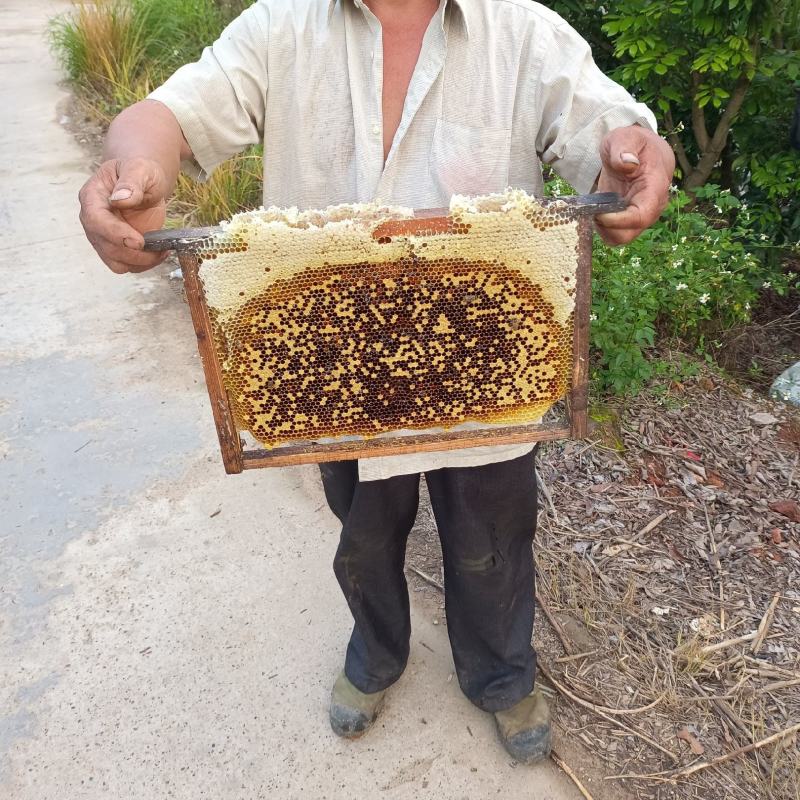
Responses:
[653,524]
[427,578]
[566,642]
[763,628]
[606,713]
[573,777]
[684,773]
[712,648]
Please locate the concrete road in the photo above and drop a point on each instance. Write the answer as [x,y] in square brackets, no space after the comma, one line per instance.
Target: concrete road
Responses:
[167,631]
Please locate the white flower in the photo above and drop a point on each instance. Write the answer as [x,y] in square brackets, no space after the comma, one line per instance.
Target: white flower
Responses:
[677,263]
[704,298]
[674,248]
[715,254]
[747,306]
[680,287]
[766,285]
[683,240]
[593,317]
[763,237]
[674,189]
[636,262]
[719,210]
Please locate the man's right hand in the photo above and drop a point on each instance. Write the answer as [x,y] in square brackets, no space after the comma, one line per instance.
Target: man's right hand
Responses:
[120,202]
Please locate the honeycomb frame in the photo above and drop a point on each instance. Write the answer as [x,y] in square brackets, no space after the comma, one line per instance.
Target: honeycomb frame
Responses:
[458,280]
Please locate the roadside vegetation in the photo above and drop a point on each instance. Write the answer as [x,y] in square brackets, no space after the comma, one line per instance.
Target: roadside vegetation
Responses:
[116,51]
[716,279]
[718,276]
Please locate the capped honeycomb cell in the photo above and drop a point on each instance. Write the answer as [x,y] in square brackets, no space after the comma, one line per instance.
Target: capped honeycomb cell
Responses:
[359,321]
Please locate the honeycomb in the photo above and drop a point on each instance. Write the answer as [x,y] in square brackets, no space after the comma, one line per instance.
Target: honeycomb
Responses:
[360,321]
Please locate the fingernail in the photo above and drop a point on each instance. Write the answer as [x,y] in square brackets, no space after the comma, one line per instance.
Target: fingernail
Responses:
[121,194]
[629,158]
[127,243]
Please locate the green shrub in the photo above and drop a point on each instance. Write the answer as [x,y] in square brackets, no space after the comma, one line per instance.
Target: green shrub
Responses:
[693,274]
[721,77]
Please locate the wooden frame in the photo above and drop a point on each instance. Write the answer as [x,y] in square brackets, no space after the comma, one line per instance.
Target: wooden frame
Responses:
[236,458]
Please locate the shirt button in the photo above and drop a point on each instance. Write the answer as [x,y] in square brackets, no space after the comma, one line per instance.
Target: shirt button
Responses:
[376,129]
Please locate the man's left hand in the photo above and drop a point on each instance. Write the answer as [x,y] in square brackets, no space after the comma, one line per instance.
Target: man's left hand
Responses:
[638,164]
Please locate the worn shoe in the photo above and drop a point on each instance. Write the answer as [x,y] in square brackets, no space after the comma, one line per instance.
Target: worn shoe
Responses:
[353,712]
[525,728]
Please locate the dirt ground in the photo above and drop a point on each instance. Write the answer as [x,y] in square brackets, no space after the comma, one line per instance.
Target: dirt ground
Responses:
[668,555]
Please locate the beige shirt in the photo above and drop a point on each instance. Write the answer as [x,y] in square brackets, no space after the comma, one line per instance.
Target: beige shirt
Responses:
[500,86]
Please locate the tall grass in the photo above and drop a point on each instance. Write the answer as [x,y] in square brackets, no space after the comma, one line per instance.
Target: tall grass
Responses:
[233,186]
[102,46]
[116,51]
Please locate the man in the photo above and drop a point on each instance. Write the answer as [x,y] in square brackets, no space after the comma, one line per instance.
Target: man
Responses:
[409,102]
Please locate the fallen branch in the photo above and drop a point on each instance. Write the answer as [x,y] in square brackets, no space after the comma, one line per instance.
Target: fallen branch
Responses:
[672,777]
[576,656]
[712,648]
[427,578]
[566,643]
[716,568]
[736,753]
[748,637]
[573,777]
[764,625]
[599,710]
[595,706]
[726,710]
[773,687]
[653,524]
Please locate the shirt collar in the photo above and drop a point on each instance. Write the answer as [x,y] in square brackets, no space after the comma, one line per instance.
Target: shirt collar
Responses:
[461,5]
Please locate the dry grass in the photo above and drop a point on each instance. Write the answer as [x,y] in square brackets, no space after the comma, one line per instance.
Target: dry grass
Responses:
[103,45]
[234,186]
[116,51]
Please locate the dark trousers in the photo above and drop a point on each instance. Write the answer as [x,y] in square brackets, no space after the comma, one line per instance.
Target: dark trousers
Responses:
[486,517]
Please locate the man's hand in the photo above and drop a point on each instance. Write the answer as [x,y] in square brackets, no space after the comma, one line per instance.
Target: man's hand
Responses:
[638,164]
[120,202]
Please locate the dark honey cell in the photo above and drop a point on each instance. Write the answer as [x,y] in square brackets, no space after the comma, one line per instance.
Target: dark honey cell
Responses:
[285,360]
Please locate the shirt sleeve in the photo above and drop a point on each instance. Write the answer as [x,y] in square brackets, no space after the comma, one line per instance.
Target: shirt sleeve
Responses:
[219,101]
[578,106]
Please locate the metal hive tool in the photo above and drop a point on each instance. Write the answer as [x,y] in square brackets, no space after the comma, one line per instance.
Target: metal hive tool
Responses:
[364,330]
